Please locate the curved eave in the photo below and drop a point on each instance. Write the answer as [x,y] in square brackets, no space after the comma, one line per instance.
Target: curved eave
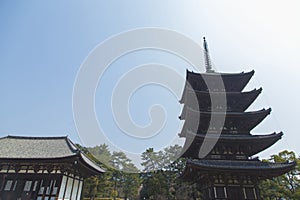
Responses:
[255,143]
[236,101]
[192,112]
[91,165]
[225,75]
[208,93]
[87,163]
[258,168]
[232,81]
[243,121]
[238,138]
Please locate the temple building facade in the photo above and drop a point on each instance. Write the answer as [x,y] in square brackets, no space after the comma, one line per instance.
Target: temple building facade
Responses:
[215,117]
[43,168]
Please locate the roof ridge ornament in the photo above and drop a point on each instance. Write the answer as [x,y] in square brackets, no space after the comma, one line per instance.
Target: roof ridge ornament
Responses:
[206,56]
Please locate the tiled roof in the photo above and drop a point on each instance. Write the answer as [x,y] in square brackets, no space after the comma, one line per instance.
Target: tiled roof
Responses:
[36,147]
[240,165]
[31,148]
[231,81]
[232,137]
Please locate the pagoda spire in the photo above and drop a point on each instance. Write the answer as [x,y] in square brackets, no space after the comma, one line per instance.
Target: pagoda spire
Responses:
[206,56]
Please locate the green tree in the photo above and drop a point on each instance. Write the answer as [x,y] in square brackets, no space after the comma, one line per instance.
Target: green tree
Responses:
[101,153]
[152,160]
[161,172]
[285,186]
[171,160]
[154,180]
[125,176]
[114,182]
[93,184]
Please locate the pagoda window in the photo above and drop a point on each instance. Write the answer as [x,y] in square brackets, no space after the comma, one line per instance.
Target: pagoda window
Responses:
[249,193]
[8,185]
[35,185]
[220,192]
[41,190]
[27,186]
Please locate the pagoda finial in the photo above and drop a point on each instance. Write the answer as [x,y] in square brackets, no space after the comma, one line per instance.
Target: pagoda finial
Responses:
[207,59]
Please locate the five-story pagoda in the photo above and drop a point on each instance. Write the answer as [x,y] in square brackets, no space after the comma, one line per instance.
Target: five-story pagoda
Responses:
[219,146]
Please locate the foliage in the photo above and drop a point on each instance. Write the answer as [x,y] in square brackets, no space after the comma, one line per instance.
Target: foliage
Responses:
[159,179]
[101,152]
[161,172]
[115,182]
[125,175]
[285,186]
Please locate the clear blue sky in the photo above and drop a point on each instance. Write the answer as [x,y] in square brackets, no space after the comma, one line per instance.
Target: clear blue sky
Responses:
[43,44]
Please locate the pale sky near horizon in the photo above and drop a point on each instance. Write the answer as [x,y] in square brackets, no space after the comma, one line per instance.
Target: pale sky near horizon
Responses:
[43,45]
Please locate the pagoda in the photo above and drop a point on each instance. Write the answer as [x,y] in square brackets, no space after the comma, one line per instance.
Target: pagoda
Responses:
[218,144]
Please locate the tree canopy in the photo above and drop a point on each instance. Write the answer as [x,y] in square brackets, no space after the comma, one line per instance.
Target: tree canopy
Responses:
[285,186]
[159,177]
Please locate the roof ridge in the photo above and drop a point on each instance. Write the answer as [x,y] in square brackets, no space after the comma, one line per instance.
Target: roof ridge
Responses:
[34,137]
[72,146]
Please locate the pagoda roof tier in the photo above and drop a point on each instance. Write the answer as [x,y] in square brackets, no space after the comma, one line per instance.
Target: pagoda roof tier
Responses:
[255,168]
[54,151]
[231,81]
[251,144]
[235,101]
[234,122]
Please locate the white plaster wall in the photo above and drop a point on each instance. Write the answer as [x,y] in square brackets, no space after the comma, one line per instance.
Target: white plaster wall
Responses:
[75,189]
[62,188]
[80,189]
[69,188]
